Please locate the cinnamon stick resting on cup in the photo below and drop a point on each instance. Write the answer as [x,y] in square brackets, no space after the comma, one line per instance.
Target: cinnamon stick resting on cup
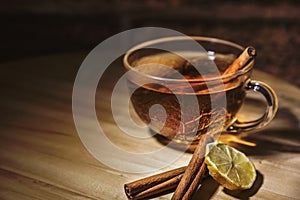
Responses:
[246,56]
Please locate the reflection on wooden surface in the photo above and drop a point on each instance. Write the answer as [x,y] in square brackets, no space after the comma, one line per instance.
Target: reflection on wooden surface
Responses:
[42,156]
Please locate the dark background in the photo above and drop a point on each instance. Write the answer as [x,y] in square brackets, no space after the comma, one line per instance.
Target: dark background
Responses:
[41,27]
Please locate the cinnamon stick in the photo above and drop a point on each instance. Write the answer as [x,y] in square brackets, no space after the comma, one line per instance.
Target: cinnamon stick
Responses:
[194,172]
[154,185]
[196,182]
[247,55]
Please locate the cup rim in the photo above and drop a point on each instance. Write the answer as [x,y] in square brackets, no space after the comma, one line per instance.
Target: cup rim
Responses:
[242,71]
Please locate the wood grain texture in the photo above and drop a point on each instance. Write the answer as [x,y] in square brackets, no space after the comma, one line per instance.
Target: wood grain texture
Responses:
[42,156]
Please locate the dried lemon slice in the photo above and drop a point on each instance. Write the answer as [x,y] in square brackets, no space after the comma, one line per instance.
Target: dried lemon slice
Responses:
[230,167]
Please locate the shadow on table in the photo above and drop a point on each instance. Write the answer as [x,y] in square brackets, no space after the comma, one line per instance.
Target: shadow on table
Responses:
[246,194]
[271,141]
[210,186]
[285,137]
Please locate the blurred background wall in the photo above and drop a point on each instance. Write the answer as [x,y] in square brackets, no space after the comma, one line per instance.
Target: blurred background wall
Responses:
[40,27]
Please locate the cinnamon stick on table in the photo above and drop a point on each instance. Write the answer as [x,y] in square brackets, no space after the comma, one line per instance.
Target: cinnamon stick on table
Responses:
[194,172]
[154,185]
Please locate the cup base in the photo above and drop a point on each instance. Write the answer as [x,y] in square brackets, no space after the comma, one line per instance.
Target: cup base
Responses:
[179,145]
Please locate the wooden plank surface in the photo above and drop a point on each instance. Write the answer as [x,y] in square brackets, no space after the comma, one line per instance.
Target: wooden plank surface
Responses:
[42,156]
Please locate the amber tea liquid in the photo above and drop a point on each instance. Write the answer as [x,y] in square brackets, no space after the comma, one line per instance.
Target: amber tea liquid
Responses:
[168,119]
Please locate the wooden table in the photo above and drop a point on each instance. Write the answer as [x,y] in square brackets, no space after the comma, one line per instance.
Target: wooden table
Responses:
[42,156]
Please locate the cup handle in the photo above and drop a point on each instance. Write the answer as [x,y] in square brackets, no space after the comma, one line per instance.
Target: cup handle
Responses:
[271,109]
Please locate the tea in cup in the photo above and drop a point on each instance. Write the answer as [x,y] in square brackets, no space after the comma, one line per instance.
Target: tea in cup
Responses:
[182,91]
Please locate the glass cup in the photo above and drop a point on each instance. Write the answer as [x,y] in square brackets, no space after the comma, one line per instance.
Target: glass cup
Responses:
[180,89]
